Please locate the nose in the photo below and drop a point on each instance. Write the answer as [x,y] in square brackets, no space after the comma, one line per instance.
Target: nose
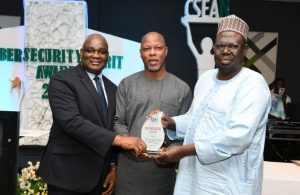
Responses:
[96,54]
[152,51]
[226,49]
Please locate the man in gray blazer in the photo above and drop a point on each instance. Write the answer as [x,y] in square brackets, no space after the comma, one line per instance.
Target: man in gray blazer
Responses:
[78,156]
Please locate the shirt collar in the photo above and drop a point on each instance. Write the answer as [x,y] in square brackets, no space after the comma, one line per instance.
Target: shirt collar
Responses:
[92,76]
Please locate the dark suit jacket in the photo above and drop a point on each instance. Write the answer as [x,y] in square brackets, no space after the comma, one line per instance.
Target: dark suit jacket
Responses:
[78,152]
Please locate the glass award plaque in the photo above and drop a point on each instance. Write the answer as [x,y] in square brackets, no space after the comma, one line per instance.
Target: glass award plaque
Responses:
[153,133]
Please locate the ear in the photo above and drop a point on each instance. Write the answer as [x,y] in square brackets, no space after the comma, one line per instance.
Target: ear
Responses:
[246,47]
[141,53]
[81,53]
[166,51]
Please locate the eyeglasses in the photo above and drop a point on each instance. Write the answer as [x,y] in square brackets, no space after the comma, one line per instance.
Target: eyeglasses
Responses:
[231,46]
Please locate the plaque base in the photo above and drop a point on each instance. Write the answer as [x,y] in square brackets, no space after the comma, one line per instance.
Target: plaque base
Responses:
[153,152]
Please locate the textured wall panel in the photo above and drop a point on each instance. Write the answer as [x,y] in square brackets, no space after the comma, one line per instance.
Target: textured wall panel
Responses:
[54,33]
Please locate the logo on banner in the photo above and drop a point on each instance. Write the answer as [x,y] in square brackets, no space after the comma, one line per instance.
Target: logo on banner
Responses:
[199,12]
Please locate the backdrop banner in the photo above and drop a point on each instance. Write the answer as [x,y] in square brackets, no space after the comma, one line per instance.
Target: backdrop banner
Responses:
[262,53]
[49,42]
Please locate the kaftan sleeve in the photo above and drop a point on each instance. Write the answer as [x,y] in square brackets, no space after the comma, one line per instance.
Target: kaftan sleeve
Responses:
[120,125]
[245,119]
[183,121]
[184,107]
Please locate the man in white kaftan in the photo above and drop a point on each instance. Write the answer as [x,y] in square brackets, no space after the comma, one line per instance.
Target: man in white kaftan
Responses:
[224,130]
[228,130]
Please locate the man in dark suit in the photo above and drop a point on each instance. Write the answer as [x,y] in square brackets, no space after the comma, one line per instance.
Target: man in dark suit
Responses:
[78,157]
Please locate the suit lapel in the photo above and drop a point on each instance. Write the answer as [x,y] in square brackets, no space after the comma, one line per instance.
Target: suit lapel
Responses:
[85,79]
[110,99]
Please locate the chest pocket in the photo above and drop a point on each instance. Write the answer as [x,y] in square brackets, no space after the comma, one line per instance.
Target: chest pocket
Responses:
[171,99]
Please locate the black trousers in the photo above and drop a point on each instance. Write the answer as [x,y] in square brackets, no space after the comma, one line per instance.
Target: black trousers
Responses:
[52,190]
